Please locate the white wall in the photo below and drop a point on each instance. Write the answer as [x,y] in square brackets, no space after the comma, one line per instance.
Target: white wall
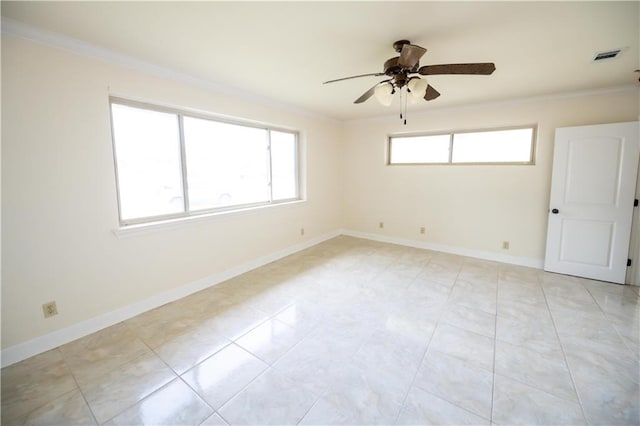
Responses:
[467,208]
[59,195]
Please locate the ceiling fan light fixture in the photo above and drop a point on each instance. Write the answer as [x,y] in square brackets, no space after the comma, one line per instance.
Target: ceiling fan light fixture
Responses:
[417,89]
[384,93]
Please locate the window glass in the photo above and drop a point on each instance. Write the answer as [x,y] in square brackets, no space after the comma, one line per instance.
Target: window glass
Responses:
[284,159]
[500,146]
[419,149]
[227,164]
[147,145]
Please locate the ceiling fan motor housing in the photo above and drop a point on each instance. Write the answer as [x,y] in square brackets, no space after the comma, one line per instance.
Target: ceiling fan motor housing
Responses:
[397,46]
[397,72]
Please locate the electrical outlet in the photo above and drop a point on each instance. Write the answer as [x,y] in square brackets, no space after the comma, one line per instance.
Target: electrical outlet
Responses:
[423,230]
[381,225]
[301,231]
[49,309]
[505,245]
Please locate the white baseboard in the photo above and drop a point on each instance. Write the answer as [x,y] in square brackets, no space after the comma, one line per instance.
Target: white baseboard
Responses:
[68,334]
[479,254]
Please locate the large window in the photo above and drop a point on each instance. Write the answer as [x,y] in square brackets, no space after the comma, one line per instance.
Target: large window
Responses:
[506,146]
[172,164]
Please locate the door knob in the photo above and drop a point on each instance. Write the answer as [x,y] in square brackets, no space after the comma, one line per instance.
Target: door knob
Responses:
[555,211]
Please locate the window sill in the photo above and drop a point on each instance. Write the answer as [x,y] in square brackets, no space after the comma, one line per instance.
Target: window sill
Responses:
[151,227]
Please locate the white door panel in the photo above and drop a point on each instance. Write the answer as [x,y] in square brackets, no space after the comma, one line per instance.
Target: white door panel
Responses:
[586,241]
[582,185]
[591,206]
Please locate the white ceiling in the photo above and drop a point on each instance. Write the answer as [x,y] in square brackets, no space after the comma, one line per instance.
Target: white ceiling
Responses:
[284,51]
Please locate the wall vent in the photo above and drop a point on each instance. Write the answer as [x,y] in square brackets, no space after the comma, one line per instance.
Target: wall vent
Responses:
[609,54]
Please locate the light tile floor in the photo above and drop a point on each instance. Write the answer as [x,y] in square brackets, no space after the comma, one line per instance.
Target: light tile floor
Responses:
[353,332]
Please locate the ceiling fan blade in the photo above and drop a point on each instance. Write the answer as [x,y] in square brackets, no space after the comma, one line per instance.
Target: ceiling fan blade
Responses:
[410,55]
[431,93]
[366,95]
[374,74]
[485,68]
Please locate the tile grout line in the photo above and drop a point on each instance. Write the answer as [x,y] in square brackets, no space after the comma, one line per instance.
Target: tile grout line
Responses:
[276,370]
[318,398]
[78,389]
[528,384]
[426,350]
[219,415]
[350,357]
[259,375]
[534,386]
[473,413]
[565,399]
[151,393]
[64,360]
[495,349]
[243,388]
[197,395]
[564,355]
[606,316]
[132,360]
[462,360]
[179,376]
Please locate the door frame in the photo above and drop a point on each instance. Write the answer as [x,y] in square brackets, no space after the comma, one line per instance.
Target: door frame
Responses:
[633,273]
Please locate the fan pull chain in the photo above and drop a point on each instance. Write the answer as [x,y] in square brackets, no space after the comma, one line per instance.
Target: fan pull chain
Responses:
[403,105]
[406,97]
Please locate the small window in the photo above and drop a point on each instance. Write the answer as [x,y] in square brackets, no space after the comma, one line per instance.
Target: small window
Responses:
[170,164]
[419,149]
[509,146]
[500,146]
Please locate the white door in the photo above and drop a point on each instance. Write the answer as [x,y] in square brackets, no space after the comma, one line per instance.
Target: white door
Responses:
[591,206]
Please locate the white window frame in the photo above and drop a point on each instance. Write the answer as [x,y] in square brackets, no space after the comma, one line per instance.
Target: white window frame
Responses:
[451,135]
[151,220]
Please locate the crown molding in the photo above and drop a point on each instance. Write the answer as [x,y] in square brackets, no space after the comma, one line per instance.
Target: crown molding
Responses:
[14,28]
[508,102]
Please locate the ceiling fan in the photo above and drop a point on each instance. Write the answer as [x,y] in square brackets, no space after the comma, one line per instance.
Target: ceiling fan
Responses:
[404,71]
